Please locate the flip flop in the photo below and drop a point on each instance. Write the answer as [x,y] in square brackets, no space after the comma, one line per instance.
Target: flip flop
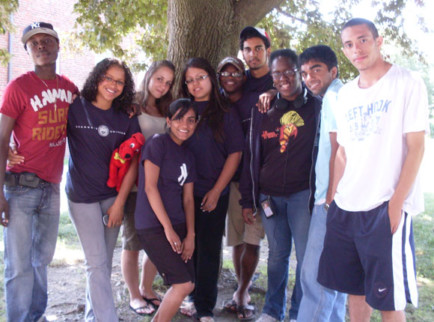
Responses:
[187,308]
[245,312]
[138,309]
[152,300]
[230,306]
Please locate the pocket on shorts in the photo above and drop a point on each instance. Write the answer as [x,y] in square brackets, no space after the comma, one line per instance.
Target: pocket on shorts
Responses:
[17,190]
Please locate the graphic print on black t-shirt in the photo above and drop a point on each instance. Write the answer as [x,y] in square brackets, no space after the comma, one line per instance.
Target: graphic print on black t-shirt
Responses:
[290,122]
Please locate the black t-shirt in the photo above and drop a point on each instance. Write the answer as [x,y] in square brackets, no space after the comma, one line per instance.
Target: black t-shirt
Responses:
[258,85]
[287,138]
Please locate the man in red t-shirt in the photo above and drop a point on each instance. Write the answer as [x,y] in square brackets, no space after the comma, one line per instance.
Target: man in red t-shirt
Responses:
[34,110]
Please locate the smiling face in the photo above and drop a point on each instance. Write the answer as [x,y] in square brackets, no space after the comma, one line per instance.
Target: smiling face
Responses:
[361,48]
[43,49]
[198,85]
[317,76]
[231,84]
[181,129]
[110,86]
[289,86]
[161,82]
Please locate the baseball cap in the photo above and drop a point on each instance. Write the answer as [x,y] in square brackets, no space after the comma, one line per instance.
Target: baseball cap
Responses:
[38,28]
[237,63]
[254,31]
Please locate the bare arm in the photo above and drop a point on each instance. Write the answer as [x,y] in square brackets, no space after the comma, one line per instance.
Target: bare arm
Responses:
[116,211]
[6,125]
[416,144]
[334,149]
[152,172]
[339,167]
[188,202]
[265,99]
[209,201]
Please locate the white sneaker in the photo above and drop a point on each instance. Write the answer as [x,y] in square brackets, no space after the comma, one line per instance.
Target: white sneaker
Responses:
[266,318]
[292,320]
[206,319]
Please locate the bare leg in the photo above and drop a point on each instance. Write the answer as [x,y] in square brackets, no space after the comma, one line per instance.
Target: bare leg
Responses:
[393,316]
[360,311]
[237,251]
[172,301]
[249,261]
[149,271]
[130,272]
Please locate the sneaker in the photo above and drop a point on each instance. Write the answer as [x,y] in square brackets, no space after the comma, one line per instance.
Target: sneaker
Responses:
[292,320]
[206,319]
[266,318]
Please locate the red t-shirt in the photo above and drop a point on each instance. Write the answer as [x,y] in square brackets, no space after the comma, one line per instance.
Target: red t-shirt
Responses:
[40,112]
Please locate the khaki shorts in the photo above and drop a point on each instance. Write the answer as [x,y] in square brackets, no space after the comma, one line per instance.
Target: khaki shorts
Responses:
[130,241]
[237,231]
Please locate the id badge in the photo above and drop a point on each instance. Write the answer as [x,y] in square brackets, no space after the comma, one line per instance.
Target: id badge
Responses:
[266,206]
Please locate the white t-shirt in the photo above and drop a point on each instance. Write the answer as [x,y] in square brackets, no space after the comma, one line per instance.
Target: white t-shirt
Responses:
[372,124]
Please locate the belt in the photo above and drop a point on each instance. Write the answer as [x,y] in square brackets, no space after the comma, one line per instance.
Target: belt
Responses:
[25,179]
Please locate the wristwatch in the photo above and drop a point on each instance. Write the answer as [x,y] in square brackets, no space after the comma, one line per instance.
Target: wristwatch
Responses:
[326,206]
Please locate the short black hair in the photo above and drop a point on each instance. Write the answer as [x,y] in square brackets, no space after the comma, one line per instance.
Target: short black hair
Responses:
[321,53]
[252,33]
[361,21]
[289,53]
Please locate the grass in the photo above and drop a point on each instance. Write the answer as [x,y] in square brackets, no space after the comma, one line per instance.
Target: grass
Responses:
[424,241]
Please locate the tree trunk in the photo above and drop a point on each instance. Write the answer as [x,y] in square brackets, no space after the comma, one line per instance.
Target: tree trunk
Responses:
[210,28]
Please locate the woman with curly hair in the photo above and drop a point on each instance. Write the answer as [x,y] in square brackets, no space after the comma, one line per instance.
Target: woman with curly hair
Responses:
[152,102]
[97,124]
[216,145]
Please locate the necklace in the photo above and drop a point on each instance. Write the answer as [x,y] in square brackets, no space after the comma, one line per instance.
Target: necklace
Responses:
[57,90]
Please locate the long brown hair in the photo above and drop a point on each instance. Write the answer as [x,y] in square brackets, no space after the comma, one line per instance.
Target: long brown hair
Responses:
[143,93]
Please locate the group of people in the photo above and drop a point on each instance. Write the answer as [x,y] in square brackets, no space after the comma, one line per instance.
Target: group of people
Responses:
[282,149]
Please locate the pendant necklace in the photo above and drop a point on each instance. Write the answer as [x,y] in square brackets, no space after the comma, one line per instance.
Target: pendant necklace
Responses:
[57,91]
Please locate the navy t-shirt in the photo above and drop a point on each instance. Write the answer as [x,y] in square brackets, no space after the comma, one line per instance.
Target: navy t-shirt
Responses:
[244,108]
[177,167]
[258,85]
[211,155]
[93,134]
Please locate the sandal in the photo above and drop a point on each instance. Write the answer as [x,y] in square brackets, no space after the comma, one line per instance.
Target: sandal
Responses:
[142,308]
[230,306]
[187,308]
[151,301]
[245,312]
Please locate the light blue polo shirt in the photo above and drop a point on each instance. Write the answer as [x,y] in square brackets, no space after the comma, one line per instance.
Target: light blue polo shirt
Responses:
[328,124]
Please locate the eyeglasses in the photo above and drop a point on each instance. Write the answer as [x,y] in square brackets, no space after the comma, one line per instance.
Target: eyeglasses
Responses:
[197,79]
[289,73]
[227,74]
[111,80]
[257,49]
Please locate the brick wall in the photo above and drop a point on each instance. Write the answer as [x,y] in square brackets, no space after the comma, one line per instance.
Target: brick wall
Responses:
[76,66]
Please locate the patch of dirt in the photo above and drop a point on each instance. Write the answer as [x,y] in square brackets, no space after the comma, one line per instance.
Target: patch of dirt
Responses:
[67,284]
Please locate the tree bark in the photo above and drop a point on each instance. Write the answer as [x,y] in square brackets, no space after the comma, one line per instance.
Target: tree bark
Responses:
[210,28]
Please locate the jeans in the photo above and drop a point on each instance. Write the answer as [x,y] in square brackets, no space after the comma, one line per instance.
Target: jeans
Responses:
[98,243]
[209,228]
[318,303]
[291,219]
[30,240]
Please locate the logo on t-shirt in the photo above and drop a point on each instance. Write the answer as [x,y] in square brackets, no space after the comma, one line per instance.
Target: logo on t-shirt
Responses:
[290,122]
[365,120]
[103,130]
[184,174]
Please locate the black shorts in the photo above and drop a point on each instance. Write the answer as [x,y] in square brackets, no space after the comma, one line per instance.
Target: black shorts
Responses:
[362,257]
[169,264]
